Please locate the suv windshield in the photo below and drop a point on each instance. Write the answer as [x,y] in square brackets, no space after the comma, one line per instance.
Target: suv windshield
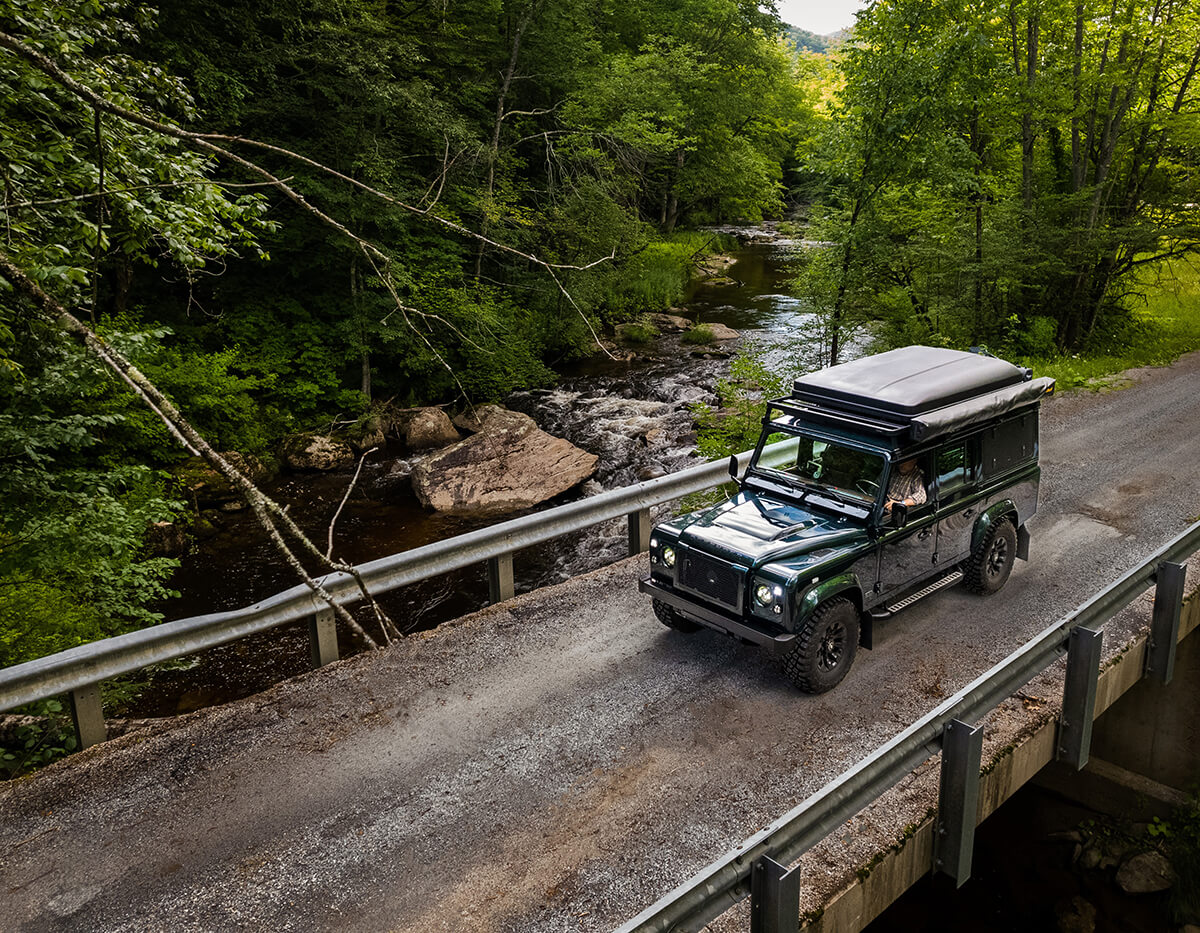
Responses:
[816,462]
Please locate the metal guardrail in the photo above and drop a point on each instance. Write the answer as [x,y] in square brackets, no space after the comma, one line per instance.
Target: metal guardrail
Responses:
[712,891]
[78,672]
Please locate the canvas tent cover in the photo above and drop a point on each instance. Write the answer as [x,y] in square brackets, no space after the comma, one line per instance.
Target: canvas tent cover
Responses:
[933,389]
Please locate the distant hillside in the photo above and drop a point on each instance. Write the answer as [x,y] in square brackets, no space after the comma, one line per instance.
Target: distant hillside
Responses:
[811,42]
[803,39]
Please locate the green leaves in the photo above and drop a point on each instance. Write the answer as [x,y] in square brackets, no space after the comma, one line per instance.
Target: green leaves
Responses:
[989,168]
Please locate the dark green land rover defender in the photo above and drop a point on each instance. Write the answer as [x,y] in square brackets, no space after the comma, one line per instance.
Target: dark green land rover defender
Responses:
[876,483]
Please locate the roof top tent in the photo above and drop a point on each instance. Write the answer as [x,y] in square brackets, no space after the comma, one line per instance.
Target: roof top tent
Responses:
[919,391]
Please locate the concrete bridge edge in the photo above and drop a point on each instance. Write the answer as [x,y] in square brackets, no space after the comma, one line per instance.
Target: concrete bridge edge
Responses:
[892,871]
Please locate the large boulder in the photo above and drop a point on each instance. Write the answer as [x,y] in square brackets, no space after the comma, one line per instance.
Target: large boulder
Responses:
[316,452]
[721,332]
[1145,873]
[492,418]
[510,464]
[368,432]
[429,428]
[670,323]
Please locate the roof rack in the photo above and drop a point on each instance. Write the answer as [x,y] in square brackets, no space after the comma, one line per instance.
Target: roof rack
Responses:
[837,418]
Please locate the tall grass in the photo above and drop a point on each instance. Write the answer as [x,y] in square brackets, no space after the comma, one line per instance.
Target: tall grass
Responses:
[1163,324]
[655,279]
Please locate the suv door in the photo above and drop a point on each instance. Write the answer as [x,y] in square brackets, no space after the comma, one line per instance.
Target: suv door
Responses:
[956,476]
[906,554]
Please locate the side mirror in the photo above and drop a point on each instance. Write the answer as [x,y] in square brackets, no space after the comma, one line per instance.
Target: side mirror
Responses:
[898,516]
[733,467]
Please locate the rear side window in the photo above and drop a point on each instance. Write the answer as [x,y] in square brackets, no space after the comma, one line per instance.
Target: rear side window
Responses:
[1009,444]
[951,470]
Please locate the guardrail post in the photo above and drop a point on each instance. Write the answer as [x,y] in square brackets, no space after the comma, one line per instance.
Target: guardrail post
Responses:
[87,712]
[774,897]
[639,531]
[1079,696]
[500,578]
[322,638]
[958,800]
[1164,626]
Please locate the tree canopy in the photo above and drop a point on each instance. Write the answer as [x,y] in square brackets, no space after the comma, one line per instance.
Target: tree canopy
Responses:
[998,171]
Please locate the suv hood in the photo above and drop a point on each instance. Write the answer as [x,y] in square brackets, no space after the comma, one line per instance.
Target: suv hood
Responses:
[762,528]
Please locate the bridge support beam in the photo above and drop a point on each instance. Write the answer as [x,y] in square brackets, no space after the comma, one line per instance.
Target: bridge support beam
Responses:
[958,800]
[774,897]
[1164,626]
[1079,696]
[87,712]
[322,638]
[639,532]
[500,578]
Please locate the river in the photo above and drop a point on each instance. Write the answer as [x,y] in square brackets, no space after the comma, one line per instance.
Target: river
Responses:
[636,415]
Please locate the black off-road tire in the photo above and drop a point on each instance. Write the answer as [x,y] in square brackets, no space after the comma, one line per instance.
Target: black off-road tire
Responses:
[825,647]
[672,619]
[989,565]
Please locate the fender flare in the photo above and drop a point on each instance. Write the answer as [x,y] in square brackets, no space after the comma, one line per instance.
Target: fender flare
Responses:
[992,514]
[840,584]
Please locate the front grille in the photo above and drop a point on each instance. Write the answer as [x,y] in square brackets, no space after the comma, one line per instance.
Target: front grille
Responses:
[710,577]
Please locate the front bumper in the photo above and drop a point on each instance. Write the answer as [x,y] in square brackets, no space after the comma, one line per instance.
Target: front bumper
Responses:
[777,644]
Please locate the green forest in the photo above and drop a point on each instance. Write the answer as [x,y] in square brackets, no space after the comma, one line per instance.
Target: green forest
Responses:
[258,218]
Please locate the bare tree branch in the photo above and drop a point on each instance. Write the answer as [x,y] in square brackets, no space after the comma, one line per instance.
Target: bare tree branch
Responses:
[268,512]
[345,499]
[90,195]
[207,143]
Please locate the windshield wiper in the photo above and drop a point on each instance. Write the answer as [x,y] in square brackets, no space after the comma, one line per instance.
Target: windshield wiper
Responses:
[843,497]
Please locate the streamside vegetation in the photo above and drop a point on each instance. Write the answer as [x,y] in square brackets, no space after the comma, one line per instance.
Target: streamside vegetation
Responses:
[1007,173]
[227,222]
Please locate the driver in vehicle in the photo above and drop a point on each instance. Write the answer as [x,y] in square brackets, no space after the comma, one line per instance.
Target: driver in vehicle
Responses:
[907,486]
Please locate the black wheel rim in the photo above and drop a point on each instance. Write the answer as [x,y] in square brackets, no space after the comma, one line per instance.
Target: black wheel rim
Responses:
[833,647]
[997,557]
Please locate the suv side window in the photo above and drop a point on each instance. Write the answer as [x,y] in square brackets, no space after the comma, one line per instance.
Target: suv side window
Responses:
[951,472]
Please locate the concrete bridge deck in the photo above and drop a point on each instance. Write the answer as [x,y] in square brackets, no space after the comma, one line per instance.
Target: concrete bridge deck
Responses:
[561,760]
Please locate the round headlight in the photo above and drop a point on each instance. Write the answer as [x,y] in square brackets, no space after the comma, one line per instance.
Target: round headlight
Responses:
[669,556]
[763,595]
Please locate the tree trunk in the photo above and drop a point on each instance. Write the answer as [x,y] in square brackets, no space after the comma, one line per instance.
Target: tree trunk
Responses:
[672,208]
[1078,159]
[1032,37]
[523,22]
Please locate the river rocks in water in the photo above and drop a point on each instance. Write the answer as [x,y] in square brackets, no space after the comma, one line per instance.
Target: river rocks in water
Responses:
[429,428]
[207,524]
[510,464]
[316,452]
[670,323]
[1145,873]
[715,266]
[613,351]
[368,433]
[721,332]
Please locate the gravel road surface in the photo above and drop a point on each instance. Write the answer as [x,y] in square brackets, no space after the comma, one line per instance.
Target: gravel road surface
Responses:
[562,760]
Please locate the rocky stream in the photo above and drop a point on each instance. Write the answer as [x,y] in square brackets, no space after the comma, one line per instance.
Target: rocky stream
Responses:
[634,413]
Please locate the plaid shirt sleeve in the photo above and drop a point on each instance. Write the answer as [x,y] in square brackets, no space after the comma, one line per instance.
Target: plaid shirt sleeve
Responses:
[907,486]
